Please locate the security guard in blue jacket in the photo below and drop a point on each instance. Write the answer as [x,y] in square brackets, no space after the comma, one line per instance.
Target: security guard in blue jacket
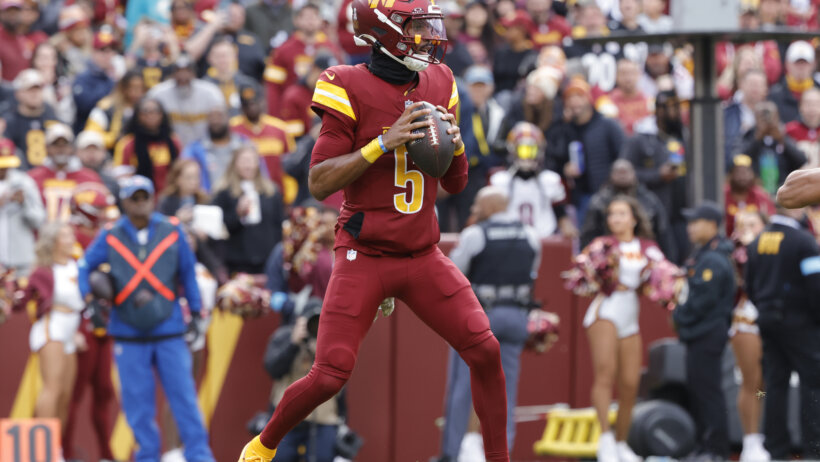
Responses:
[783,281]
[703,325]
[500,256]
[149,257]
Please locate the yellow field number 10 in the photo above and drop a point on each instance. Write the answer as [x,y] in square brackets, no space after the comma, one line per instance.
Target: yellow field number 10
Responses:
[29,440]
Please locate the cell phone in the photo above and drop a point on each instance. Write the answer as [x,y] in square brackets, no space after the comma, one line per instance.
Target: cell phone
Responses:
[675,159]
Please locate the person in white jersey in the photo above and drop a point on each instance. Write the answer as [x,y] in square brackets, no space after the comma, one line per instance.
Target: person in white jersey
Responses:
[536,195]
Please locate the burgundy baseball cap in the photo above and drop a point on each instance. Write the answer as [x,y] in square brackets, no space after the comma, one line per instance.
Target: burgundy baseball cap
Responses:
[104,39]
[519,19]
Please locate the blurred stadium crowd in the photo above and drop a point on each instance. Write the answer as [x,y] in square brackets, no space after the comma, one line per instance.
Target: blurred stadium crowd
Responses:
[210,100]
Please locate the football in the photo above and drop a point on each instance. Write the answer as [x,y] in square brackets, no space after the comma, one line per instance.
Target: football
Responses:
[433,153]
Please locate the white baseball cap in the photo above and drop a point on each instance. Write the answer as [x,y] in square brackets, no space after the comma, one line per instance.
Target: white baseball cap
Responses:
[800,50]
[27,79]
[57,131]
[88,138]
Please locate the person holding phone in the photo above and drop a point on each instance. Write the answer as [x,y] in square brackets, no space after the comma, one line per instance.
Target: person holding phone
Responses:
[658,152]
[774,154]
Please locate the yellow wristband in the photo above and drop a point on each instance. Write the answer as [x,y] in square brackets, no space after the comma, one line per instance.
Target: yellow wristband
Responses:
[372,151]
[459,150]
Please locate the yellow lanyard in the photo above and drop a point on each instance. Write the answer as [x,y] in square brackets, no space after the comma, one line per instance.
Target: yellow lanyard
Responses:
[478,132]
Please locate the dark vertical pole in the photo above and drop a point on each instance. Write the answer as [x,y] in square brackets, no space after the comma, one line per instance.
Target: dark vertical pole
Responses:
[707,161]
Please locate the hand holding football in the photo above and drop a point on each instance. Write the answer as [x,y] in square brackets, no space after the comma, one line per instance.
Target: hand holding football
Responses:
[434,152]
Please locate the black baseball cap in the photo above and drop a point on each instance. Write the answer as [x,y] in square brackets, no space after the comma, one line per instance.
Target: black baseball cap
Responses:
[707,210]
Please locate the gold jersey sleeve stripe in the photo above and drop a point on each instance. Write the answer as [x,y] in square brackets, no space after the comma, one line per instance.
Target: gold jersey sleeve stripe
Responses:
[453,96]
[334,97]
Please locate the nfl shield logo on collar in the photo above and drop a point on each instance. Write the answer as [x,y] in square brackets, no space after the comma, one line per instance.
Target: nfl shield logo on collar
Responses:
[351,254]
[407,103]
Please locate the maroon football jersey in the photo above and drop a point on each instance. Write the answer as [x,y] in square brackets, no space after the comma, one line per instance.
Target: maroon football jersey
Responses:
[390,209]
[56,188]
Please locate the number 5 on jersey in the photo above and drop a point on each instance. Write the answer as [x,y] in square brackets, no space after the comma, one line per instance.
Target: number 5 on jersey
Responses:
[410,180]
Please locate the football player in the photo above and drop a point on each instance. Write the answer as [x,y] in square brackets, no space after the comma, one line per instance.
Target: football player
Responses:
[387,231]
[536,195]
[92,206]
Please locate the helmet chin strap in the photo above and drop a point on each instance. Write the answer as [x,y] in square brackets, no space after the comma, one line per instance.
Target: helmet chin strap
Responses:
[415,65]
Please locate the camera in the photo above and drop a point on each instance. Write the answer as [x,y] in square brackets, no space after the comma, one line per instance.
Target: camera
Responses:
[310,310]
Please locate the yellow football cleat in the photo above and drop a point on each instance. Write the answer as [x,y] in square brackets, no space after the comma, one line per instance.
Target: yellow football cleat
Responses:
[255,451]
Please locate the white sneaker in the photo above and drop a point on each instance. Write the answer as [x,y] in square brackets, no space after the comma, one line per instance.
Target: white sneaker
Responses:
[174,455]
[625,453]
[472,448]
[753,450]
[607,449]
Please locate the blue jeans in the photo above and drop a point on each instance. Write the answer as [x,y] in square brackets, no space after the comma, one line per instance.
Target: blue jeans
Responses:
[320,448]
[509,325]
[171,359]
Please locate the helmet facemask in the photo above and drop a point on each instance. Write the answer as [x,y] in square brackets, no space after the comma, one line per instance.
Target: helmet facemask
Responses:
[423,38]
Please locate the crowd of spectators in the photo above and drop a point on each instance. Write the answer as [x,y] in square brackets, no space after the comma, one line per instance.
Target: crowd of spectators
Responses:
[210,100]
[143,85]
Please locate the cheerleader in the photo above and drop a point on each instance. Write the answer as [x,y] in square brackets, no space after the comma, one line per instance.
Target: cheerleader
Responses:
[746,343]
[612,320]
[54,335]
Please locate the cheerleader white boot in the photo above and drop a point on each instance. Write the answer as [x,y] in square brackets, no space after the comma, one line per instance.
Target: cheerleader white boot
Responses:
[472,448]
[753,450]
[607,448]
[625,453]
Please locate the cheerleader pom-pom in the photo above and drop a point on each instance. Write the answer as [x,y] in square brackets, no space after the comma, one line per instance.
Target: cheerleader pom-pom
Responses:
[542,330]
[666,285]
[244,296]
[10,292]
[583,278]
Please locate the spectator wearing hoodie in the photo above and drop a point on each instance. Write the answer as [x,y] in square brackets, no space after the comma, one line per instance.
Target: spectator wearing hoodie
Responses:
[21,212]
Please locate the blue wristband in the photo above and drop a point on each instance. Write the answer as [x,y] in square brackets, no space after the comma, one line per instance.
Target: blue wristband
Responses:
[381,144]
[277,300]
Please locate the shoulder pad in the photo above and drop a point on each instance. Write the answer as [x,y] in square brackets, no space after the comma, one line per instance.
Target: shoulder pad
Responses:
[330,93]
